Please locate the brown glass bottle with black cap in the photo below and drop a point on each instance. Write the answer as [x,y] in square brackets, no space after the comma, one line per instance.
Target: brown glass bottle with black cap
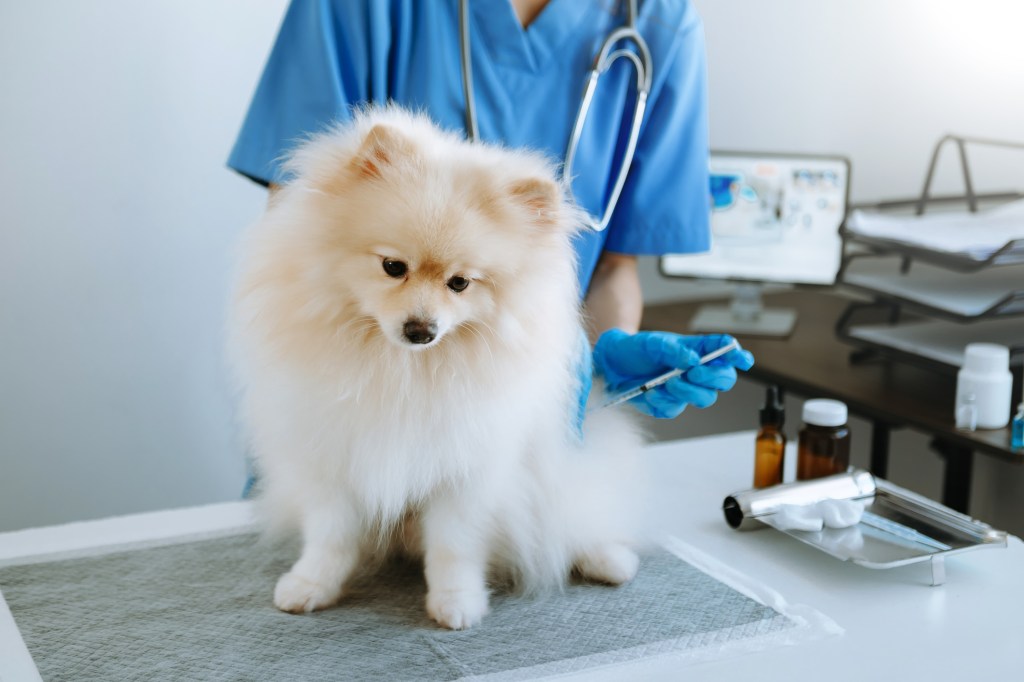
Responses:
[770,445]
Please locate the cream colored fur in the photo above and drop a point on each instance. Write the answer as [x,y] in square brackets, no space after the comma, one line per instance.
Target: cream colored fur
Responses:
[462,449]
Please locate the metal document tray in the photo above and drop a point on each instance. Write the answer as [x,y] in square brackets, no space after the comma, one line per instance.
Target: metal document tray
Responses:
[901,527]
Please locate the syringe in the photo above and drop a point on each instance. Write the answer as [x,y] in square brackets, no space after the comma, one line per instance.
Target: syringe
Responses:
[658,381]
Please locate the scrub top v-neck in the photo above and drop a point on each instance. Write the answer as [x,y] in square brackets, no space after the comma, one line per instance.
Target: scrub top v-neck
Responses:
[333,54]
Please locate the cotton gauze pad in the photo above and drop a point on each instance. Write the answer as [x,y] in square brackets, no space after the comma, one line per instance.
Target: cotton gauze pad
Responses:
[823,514]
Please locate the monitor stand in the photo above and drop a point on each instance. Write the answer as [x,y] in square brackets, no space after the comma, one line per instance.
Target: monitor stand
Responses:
[745,314]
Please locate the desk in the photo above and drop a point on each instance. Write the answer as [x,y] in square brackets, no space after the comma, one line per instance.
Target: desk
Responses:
[812,362]
[896,625]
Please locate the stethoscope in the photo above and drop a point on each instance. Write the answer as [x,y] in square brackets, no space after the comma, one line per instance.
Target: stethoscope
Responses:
[606,56]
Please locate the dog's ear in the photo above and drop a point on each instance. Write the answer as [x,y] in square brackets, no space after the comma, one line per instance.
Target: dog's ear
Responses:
[539,197]
[383,146]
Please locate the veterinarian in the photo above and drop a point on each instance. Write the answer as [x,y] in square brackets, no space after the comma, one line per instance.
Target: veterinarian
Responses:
[523,72]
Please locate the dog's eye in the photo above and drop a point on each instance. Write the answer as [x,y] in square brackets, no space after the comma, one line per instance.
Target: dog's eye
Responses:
[458,284]
[395,268]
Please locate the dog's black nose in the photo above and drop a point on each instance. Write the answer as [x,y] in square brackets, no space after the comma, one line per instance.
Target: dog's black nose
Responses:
[419,331]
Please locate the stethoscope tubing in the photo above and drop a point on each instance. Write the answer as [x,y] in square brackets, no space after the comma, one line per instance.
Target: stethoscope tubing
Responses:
[606,56]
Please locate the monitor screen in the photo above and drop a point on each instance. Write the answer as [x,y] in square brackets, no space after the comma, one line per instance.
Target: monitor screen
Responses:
[774,218]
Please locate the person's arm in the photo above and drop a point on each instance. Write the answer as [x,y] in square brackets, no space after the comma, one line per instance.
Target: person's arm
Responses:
[615,299]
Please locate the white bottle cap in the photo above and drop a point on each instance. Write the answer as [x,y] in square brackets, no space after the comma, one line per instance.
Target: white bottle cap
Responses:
[986,358]
[821,412]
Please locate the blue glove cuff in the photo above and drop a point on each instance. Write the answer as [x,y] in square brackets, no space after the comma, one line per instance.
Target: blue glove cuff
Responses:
[585,379]
[604,349]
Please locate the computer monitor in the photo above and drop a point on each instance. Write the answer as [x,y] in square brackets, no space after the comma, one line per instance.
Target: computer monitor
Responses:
[775,218]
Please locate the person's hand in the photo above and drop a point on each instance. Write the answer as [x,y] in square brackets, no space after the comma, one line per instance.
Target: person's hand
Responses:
[628,360]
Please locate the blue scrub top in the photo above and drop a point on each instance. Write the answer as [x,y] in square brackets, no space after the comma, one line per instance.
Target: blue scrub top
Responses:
[333,54]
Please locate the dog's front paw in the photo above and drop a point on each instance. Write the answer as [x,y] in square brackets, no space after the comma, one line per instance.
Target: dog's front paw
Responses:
[296,594]
[612,564]
[457,609]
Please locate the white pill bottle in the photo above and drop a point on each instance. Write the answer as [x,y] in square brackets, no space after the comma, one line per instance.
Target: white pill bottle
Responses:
[986,376]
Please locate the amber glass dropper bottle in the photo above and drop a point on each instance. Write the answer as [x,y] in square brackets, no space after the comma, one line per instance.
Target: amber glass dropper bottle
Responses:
[770,446]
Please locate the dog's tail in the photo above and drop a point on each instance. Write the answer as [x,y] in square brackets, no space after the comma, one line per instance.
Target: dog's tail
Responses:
[581,499]
[607,500]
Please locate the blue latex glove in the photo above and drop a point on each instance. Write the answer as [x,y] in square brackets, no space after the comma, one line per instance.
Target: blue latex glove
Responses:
[628,360]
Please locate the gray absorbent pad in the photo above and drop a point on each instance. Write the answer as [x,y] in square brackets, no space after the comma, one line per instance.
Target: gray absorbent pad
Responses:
[202,610]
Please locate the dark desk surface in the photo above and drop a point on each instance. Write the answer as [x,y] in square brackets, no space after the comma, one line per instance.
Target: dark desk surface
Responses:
[812,362]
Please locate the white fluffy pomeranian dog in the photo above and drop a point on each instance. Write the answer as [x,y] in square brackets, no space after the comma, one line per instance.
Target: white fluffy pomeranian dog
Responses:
[406,329]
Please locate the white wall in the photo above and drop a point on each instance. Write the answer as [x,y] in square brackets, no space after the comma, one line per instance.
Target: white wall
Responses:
[877,80]
[117,214]
[116,219]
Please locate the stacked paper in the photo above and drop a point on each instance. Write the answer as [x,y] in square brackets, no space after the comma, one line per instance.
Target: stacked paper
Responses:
[976,235]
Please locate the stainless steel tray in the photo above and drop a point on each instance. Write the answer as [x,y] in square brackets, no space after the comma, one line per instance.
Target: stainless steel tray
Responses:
[899,527]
